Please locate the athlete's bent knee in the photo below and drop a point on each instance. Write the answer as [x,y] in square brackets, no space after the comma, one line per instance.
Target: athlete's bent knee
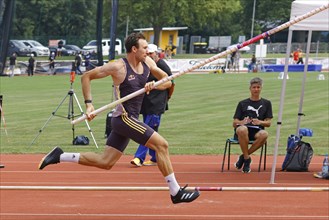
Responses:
[241,130]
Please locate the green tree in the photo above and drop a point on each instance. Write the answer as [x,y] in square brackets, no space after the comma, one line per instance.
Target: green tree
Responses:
[268,14]
[204,16]
[151,13]
[75,20]
[60,18]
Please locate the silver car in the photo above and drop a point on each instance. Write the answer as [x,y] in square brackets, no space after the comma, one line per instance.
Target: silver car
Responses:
[36,48]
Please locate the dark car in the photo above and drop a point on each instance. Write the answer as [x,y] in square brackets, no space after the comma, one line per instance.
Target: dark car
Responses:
[19,48]
[64,51]
[72,49]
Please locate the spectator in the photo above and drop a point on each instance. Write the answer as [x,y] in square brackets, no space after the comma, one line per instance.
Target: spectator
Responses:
[300,57]
[228,61]
[60,48]
[78,61]
[251,116]
[295,56]
[153,106]
[252,67]
[31,66]
[236,61]
[12,64]
[52,63]
[87,61]
[162,54]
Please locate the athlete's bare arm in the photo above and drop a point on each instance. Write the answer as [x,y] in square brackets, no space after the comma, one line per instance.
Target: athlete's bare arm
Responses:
[158,73]
[115,69]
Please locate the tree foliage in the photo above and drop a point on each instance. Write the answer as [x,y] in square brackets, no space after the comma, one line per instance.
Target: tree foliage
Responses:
[268,14]
[75,20]
[58,19]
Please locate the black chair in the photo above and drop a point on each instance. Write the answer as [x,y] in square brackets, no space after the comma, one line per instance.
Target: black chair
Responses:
[231,141]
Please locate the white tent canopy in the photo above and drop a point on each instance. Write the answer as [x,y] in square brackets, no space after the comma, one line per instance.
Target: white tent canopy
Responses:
[317,22]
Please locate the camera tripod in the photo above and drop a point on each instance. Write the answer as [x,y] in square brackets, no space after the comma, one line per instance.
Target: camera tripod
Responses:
[70,114]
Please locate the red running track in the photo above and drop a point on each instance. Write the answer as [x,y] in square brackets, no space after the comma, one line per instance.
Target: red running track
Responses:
[203,171]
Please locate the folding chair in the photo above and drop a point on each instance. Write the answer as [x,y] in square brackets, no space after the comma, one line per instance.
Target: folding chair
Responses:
[231,141]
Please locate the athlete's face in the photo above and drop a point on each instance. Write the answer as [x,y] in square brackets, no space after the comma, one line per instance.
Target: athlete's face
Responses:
[141,52]
[255,89]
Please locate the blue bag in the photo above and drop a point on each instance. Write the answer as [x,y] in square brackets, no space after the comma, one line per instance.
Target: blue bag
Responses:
[291,144]
[305,132]
[299,155]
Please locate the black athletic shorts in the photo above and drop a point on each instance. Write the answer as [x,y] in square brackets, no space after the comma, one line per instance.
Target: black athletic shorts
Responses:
[125,128]
[252,131]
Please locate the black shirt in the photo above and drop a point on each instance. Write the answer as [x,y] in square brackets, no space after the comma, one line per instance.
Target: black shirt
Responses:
[12,60]
[156,101]
[260,109]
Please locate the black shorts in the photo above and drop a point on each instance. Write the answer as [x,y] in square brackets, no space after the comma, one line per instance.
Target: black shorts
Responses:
[252,131]
[125,128]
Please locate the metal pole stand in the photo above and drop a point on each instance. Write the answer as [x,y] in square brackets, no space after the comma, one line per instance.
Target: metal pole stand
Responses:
[1,115]
[70,114]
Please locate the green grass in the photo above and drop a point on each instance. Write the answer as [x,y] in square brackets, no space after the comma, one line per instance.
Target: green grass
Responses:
[198,121]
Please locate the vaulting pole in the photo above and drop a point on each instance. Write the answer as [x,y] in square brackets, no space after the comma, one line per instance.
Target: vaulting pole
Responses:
[209,60]
[148,188]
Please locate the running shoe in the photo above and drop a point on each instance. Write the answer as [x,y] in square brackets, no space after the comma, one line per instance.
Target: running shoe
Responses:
[246,166]
[240,162]
[321,175]
[51,158]
[318,175]
[149,163]
[184,195]
[136,161]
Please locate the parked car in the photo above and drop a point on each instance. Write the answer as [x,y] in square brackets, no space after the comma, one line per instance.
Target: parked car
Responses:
[92,46]
[17,47]
[73,49]
[37,48]
[64,52]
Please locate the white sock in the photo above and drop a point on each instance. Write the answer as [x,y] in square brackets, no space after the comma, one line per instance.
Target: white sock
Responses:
[172,183]
[70,157]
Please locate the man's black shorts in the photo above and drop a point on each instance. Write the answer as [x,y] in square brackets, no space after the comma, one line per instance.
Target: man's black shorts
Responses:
[125,128]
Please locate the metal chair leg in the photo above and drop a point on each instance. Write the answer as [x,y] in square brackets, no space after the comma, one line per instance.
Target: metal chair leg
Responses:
[223,162]
[260,158]
[265,152]
[229,155]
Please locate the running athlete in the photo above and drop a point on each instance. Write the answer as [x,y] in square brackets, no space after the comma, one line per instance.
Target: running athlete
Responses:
[129,75]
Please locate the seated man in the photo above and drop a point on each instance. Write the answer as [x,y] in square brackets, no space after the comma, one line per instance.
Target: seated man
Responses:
[250,118]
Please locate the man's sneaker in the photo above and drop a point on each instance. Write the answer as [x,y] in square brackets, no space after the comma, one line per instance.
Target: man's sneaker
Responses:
[185,195]
[240,162]
[246,166]
[321,175]
[51,158]
[318,175]
[149,163]
[136,161]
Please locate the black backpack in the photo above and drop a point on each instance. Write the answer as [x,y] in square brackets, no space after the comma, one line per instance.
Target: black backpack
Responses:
[81,140]
[298,158]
